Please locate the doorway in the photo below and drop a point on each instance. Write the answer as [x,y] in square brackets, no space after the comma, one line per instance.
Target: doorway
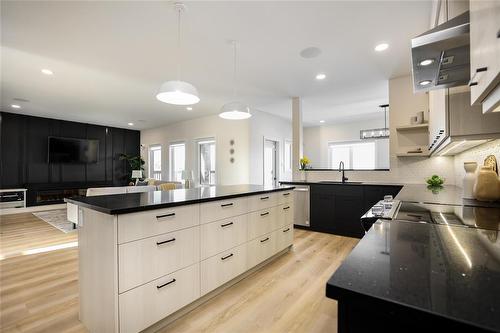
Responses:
[270,162]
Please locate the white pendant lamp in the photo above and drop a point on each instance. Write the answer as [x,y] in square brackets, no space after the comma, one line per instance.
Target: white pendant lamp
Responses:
[178,92]
[235,110]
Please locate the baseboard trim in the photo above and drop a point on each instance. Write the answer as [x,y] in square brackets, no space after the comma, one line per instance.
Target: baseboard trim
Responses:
[190,307]
[31,209]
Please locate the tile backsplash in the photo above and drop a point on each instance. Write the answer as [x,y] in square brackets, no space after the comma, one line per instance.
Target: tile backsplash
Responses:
[477,154]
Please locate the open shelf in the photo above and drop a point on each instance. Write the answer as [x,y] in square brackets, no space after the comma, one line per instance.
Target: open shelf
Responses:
[422,154]
[412,127]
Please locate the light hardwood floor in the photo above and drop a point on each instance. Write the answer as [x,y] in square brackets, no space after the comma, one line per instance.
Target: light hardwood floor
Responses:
[39,292]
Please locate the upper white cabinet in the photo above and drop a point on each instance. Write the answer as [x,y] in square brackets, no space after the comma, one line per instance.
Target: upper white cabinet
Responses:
[485,53]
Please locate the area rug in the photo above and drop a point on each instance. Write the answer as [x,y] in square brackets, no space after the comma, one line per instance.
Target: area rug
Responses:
[56,218]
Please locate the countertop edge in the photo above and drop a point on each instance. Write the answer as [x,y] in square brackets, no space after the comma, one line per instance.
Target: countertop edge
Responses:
[170,204]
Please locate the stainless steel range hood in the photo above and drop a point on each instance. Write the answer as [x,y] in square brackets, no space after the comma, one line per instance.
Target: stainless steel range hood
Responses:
[440,56]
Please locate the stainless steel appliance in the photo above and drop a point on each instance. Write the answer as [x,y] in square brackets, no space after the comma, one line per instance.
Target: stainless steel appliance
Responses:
[301,211]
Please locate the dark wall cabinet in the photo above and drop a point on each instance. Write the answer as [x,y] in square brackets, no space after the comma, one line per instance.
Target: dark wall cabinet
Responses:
[338,208]
[24,141]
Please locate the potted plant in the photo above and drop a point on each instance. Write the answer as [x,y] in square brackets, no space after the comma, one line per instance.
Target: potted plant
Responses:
[304,163]
[135,163]
[435,183]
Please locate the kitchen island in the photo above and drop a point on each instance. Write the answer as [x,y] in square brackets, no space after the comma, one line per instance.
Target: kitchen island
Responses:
[147,258]
[417,277]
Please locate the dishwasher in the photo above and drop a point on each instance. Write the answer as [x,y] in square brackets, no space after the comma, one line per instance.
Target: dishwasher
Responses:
[301,205]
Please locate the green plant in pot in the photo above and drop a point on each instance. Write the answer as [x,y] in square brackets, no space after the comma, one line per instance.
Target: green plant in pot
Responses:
[135,163]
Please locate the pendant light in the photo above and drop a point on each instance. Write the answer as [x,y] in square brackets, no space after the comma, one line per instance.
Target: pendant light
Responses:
[235,110]
[178,92]
[377,133]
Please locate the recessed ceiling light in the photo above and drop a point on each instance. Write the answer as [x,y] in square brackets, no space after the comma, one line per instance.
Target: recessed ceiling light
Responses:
[381,47]
[189,108]
[320,76]
[426,62]
[322,121]
[47,71]
[310,52]
[425,82]
[15,106]
[131,124]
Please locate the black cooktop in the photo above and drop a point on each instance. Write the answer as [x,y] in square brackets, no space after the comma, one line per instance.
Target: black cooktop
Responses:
[454,215]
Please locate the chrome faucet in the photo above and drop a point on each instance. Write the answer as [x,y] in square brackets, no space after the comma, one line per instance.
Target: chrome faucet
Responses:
[341,169]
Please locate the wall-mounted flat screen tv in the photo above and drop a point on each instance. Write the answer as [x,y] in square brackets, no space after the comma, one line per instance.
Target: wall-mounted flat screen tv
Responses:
[70,150]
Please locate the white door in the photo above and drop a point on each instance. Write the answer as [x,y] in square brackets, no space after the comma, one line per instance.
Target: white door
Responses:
[270,162]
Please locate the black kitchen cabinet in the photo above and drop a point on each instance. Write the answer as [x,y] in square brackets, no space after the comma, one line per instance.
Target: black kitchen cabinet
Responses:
[337,208]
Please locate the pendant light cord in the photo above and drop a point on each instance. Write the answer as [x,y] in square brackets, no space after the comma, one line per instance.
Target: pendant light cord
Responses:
[234,70]
[179,9]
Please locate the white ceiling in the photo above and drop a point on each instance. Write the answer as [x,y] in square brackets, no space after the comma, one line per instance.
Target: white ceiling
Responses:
[109,58]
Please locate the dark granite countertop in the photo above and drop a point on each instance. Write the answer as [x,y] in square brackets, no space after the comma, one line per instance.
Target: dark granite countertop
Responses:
[135,202]
[419,193]
[447,271]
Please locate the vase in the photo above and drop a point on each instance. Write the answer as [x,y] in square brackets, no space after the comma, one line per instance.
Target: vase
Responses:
[486,187]
[469,179]
[302,175]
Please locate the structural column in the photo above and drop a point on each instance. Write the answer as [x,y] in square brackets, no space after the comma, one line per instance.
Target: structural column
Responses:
[297,134]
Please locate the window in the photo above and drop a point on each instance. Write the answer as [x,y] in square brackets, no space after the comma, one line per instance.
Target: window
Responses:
[155,162]
[206,157]
[177,160]
[355,155]
[288,156]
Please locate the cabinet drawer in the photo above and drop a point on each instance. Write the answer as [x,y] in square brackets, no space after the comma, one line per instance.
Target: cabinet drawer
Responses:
[260,249]
[285,197]
[221,268]
[222,235]
[262,201]
[148,259]
[155,222]
[285,214]
[218,210]
[284,237]
[141,307]
[262,222]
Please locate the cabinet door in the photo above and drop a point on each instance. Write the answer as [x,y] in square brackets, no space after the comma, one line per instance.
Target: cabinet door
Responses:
[348,211]
[322,207]
[485,47]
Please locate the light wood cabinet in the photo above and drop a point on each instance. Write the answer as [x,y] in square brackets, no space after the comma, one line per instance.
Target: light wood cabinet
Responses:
[485,50]
[438,118]
[284,237]
[222,209]
[147,259]
[154,222]
[258,202]
[284,197]
[222,235]
[263,221]
[285,214]
[143,306]
[261,248]
[223,267]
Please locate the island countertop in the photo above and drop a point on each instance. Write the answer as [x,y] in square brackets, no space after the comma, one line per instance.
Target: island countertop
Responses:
[136,202]
[445,271]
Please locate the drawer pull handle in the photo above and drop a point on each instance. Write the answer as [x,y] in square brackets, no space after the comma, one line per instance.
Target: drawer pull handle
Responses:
[264,240]
[287,207]
[228,256]
[286,230]
[166,284]
[264,214]
[264,198]
[226,224]
[478,70]
[285,194]
[226,205]
[166,215]
[165,242]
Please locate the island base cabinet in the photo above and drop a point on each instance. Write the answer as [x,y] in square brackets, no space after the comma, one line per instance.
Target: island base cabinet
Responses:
[261,248]
[223,267]
[284,237]
[143,306]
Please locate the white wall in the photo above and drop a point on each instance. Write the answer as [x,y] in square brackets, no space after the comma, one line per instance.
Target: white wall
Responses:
[403,105]
[316,140]
[249,145]
[264,125]
[211,126]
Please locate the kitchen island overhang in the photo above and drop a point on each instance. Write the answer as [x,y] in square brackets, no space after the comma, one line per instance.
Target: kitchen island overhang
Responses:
[147,257]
